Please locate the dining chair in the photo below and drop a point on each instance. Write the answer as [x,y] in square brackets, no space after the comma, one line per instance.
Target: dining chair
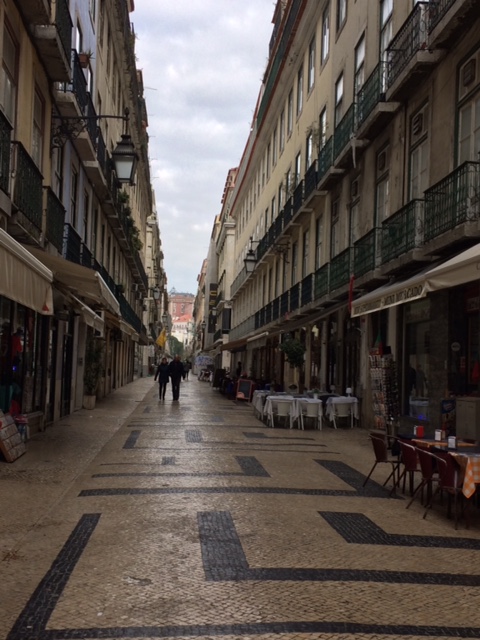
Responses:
[312,410]
[449,480]
[282,409]
[342,410]
[382,456]
[429,475]
[410,463]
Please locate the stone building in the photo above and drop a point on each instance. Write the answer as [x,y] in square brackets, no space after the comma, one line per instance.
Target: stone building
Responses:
[361,176]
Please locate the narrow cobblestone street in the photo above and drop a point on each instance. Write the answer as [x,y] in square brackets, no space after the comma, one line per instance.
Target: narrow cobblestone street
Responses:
[147,519]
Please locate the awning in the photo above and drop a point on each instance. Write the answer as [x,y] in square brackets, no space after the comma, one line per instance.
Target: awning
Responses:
[89,316]
[24,278]
[260,340]
[459,270]
[83,281]
[234,345]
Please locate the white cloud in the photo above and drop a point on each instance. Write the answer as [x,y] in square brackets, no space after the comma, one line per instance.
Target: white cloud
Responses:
[202,61]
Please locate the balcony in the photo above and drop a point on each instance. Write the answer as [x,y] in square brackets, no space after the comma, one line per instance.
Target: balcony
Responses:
[295,297]
[36,11]
[321,278]
[409,56]
[343,143]
[275,309]
[97,169]
[448,19]
[128,314]
[365,254]
[311,179]
[287,212]
[283,304]
[307,290]
[402,232]
[298,197]
[5,146]
[87,257]
[55,220]
[27,200]
[54,40]
[452,202]
[340,270]
[373,112]
[72,245]
[327,173]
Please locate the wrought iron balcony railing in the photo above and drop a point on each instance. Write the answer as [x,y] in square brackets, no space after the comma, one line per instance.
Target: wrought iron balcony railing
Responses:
[344,131]
[372,92]
[453,201]
[28,188]
[63,23]
[437,9]
[365,251]
[5,142]
[402,231]
[55,220]
[311,179]
[411,37]
[72,244]
[321,278]
[87,257]
[340,269]
[325,158]
[307,290]
[284,303]
[295,297]
[128,314]
[298,197]
[275,309]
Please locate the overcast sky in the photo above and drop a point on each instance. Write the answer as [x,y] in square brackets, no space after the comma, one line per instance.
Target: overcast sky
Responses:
[202,63]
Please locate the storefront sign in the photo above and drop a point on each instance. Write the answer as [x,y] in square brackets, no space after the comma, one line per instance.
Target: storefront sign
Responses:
[414,292]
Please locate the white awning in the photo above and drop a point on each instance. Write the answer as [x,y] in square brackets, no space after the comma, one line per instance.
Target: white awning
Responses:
[84,282]
[463,268]
[24,278]
[89,316]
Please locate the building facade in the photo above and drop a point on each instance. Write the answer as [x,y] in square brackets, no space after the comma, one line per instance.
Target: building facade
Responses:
[73,230]
[359,178]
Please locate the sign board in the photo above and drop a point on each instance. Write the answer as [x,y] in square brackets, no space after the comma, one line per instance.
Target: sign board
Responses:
[244,389]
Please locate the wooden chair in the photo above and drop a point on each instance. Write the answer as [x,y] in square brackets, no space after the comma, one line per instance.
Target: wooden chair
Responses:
[382,456]
[448,481]
[410,463]
[429,474]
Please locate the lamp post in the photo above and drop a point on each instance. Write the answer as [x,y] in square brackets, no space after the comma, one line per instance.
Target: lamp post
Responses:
[250,259]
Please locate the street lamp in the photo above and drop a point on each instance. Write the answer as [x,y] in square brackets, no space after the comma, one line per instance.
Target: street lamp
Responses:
[156,293]
[164,319]
[250,259]
[125,159]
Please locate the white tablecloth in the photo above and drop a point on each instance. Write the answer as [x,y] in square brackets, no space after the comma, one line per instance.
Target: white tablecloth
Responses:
[258,402]
[330,411]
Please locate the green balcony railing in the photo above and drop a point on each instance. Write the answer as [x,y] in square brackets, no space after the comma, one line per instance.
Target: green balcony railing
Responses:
[307,290]
[5,142]
[325,158]
[320,286]
[128,313]
[55,220]
[344,131]
[294,297]
[453,201]
[365,253]
[372,92]
[28,188]
[72,244]
[340,269]
[311,179]
[402,231]
[438,8]
[411,37]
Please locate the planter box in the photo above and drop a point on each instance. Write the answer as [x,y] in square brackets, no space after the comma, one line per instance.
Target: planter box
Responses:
[89,402]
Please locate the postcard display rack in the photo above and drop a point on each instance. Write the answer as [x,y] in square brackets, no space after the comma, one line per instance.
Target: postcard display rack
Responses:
[12,443]
[383,376]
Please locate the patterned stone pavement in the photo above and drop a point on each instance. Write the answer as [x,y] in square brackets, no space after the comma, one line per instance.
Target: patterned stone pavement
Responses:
[146,520]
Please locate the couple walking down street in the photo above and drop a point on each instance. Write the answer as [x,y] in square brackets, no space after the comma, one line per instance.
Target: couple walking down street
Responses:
[173,371]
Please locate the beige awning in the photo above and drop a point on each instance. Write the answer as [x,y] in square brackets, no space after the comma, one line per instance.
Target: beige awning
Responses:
[24,278]
[89,316]
[463,268]
[234,345]
[84,282]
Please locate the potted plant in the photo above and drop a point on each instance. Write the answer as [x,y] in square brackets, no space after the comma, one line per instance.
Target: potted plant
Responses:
[84,58]
[315,393]
[93,370]
[294,351]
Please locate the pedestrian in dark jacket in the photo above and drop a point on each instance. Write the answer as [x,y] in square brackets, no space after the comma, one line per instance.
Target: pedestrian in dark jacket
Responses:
[163,375]
[176,371]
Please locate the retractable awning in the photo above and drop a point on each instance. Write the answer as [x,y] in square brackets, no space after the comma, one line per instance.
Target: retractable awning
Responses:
[83,281]
[24,278]
[89,316]
[463,268]
[234,345]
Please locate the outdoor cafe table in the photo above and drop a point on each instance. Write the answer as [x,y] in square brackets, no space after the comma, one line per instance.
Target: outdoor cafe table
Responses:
[470,465]
[272,401]
[258,402]
[300,404]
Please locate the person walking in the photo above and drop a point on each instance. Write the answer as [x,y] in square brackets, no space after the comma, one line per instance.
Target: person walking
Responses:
[176,371]
[163,375]
[187,366]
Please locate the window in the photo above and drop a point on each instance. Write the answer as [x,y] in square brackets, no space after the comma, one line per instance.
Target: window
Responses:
[386,27]
[322,132]
[469,131]
[274,146]
[306,249]
[325,35]
[298,169]
[300,91]
[294,263]
[359,65]
[37,129]
[9,76]
[309,150]
[318,242]
[334,229]
[74,197]
[311,65]
[341,13]
[339,99]
[282,131]
[419,153]
[290,112]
